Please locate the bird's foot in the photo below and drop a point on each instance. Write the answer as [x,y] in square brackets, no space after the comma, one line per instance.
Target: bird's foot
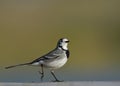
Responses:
[58,81]
[42,75]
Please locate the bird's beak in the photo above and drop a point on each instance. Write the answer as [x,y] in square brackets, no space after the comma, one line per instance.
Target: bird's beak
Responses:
[67,41]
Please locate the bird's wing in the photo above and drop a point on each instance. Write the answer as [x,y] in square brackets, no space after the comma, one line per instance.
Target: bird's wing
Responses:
[50,56]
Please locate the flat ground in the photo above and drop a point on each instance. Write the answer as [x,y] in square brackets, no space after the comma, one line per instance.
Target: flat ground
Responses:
[81,83]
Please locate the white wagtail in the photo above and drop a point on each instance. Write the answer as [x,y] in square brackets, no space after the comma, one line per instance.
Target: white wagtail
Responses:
[52,60]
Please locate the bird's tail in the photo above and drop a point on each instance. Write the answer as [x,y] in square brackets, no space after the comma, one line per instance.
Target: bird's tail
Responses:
[17,65]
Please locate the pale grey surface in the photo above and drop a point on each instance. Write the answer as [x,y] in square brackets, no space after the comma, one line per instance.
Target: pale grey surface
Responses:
[81,83]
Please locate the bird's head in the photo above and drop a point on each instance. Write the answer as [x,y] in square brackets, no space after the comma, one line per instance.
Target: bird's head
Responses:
[62,43]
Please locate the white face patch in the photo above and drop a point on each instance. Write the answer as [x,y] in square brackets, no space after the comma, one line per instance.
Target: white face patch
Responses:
[64,43]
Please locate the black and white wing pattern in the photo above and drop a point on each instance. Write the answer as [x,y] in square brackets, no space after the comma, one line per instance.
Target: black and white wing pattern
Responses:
[50,56]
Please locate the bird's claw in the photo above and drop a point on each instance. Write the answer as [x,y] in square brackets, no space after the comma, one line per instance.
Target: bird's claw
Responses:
[58,81]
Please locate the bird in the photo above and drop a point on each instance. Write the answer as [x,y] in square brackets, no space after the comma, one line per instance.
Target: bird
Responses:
[53,60]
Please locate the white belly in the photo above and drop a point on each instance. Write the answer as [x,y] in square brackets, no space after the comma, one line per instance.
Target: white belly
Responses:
[56,63]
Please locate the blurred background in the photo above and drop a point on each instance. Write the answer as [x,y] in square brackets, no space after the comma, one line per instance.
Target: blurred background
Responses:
[30,28]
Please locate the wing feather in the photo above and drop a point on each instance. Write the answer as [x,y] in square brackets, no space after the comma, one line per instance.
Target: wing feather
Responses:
[50,56]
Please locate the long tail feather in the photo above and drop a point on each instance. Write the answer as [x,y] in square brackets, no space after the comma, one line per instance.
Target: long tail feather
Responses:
[17,65]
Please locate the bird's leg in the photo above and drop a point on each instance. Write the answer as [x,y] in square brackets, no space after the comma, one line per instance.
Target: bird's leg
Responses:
[56,80]
[41,72]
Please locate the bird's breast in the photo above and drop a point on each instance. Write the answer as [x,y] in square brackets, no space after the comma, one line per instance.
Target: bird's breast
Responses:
[56,63]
